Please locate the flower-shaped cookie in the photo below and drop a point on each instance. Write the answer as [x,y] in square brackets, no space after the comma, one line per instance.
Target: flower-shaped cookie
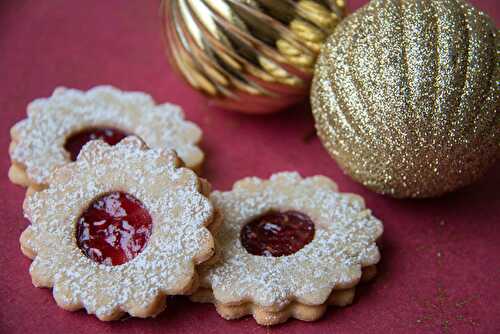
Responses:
[118,230]
[288,248]
[57,127]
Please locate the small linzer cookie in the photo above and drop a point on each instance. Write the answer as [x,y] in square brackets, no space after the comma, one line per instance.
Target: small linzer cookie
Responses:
[119,230]
[288,247]
[57,128]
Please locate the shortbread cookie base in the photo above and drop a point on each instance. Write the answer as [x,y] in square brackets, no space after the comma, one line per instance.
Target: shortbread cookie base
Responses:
[140,286]
[265,316]
[17,175]
[38,140]
[268,316]
[198,169]
[296,285]
[156,306]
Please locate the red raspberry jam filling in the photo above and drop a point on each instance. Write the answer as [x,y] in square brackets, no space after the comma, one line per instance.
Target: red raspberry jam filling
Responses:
[114,229]
[75,142]
[277,233]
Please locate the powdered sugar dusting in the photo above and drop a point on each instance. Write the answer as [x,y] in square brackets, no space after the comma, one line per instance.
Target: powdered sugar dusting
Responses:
[166,265]
[41,137]
[344,242]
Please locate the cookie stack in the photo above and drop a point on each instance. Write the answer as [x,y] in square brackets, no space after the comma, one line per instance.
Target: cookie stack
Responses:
[119,218]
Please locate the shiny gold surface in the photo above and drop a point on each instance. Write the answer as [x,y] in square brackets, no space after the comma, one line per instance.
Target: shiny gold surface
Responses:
[254,56]
[406,96]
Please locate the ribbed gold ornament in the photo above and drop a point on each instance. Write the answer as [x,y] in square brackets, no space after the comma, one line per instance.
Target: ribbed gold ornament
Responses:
[406,96]
[254,56]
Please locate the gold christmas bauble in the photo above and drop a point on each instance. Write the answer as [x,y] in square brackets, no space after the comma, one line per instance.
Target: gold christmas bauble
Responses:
[255,56]
[406,96]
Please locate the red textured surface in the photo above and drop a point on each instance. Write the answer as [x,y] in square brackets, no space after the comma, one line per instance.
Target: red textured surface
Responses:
[277,233]
[114,229]
[440,259]
[75,142]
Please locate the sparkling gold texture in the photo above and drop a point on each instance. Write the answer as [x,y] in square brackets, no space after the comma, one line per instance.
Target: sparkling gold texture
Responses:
[406,96]
[254,56]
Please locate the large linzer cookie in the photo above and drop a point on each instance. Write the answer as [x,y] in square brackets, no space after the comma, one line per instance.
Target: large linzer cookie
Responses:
[57,128]
[119,230]
[288,248]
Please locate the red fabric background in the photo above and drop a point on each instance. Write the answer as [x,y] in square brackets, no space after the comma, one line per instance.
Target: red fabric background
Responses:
[440,269]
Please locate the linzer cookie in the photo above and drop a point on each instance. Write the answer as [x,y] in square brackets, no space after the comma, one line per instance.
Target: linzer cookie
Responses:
[288,247]
[119,230]
[57,127]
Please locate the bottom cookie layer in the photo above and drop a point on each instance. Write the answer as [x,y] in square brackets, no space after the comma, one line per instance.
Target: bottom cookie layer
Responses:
[265,316]
[17,175]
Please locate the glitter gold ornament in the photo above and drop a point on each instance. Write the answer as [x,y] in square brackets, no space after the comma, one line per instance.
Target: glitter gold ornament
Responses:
[406,96]
[254,56]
